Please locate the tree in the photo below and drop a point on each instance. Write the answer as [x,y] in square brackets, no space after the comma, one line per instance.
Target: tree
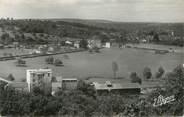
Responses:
[66,56]
[38,90]
[156,38]
[5,38]
[58,62]
[83,44]
[160,72]
[11,77]
[134,78]
[147,73]
[53,79]
[5,54]
[174,83]
[96,49]
[114,68]
[86,88]
[49,60]
[21,62]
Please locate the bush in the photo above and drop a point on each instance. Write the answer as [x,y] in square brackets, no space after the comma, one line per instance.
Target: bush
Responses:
[49,60]
[58,62]
[66,56]
[96,49]
[10,77]
[21,62]
[134,78]
[160,72]
[53,79]
[147,73]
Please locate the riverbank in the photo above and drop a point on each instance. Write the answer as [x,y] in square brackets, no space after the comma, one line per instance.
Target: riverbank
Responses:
[39,55]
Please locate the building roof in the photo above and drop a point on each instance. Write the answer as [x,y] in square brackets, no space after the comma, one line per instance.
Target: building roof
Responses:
[18,84]
[69,79]
[100,86]
[39,70]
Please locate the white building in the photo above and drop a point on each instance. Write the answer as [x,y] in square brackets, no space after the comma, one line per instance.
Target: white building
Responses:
[39,78]
[35,51]
[76,44]
[94,43]
[69,83]
[108,45]
[64,84]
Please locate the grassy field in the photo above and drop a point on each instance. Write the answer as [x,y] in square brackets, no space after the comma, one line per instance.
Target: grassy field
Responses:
[84,64]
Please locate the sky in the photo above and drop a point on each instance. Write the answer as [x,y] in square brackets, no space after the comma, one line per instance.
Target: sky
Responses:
[115,10]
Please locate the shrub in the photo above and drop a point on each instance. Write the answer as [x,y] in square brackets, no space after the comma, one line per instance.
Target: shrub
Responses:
[160,72]
[58,62]
[10,77]
[134,78]
[49,60]
[53,79]
[147,73]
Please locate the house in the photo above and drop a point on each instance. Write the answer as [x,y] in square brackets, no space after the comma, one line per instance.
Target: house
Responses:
[16,44]
[76,44]
[69,83]
[64,84]
[67,42]
[50,49]
[19,86]
[143,40]
[35,51]
[94,43]
[108,87]
[39,78]
[107,45]
[56,86]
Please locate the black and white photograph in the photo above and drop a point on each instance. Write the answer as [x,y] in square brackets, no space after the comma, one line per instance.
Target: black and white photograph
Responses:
[92,58]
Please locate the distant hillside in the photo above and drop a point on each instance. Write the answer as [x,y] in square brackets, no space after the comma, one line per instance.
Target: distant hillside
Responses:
[44,30]
[130,26]
[85,21]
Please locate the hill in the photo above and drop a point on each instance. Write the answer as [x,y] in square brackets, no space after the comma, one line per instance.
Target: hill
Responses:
[56,29]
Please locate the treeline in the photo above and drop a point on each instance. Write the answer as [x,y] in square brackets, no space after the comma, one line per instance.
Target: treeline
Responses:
[84,102]
[59,28]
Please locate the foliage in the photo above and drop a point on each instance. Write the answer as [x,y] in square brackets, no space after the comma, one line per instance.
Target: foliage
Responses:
[86,88]
[49,60]
[120,32]
[21,62]
[147,73]
[160,72]
[53,79]
[83,44]
[84,102]
[58,62]
[66,56]
[96,49]
[11,77]
[115,68]
[134,78]
[5,38]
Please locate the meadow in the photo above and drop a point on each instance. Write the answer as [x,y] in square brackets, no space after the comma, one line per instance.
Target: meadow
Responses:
[99,65]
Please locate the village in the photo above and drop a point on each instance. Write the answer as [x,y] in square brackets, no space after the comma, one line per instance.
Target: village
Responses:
[71,65]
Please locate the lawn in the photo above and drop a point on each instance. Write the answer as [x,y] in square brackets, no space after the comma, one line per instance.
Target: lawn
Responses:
[84,64]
